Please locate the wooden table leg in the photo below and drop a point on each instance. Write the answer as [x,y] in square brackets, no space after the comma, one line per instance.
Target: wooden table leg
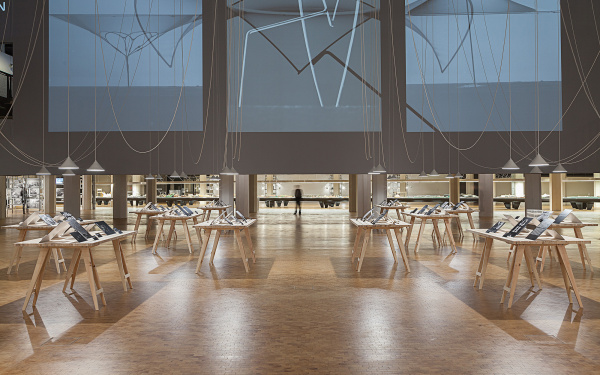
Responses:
[409,233]
[203,250]
[148,225]
[565,276]
[186,233]
[562,252]
[533,274]
[356,242]
[402,249]
[72,272]
[137,227]
[421,229]
[483,262]
[171,230]
[58,259]
[38,274]
[125,277]
[450,236]
[471,224]
[363,249]
[215,244]
[158,234]
[459,225]
[238,237]
[512,282]
[585,256]
[436,230]
[250,244]
[208,214]
[198,230]
[392,247]
[398,214]
[93,279]
[17,252]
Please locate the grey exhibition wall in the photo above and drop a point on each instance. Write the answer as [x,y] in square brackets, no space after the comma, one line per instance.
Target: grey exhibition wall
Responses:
[298,152]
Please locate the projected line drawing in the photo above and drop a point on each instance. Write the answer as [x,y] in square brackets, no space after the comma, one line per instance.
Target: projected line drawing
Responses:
[144,30]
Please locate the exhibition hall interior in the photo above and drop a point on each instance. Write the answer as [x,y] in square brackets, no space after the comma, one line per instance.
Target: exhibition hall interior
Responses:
[299,186]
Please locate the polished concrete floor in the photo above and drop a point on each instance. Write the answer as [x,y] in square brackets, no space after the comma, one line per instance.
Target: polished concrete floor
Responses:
[300,309]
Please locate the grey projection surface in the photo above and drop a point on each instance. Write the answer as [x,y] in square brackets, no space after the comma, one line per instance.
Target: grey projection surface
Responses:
[276,87]
[144,51]
[457,54]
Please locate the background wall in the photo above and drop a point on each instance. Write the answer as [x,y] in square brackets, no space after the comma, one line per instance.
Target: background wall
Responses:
[293,152]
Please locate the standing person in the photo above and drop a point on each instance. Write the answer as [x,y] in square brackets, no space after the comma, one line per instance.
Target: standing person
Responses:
[298,198]
[24,198]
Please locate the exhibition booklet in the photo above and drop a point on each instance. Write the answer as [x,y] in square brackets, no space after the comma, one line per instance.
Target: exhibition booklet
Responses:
[381,215]
[540,229]
[423,209]
[432,210]
[105,228]
[48,219]
[495,227]
[241,216]
[368,214]
[456,206]
[81,230]
[185,210]
[413,211]
[518,228]
[562,216]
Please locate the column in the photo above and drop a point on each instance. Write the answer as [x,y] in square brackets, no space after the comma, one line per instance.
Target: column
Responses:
[50,195]
[556,191]
[119,196]
[87,193]
[533,191]
[253,193]
[379,182]
[486,195]
[226,188]
[151,191]
[470,186]
[363,194]
[454,190]
[2,197]
[72,198]
[242,194]
[352,192]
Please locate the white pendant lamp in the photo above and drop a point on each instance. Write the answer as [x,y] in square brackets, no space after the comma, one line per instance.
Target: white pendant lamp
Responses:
[458,175]
[174,175]
[226,171]
[43,172]
[423,174]
[559,169]
[510,165]
[536,170]
[233,172]
[68,173]
[379,168]
[96,167]
[372,171]
[159,177]
[150,177]
[449,175]
[183,175]
[68,164]
[434,173]
[538,161]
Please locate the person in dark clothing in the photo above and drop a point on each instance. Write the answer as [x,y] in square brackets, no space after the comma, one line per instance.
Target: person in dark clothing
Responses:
[24,199]
[298,199]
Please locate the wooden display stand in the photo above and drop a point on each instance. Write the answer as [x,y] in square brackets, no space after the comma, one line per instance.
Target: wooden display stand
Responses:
[523,249]
[400,209]
[32,223]
[365,228]
[208,209]
[463,209]
[140,213]
[237,228]
[79,249]
[173,219]
[434,217]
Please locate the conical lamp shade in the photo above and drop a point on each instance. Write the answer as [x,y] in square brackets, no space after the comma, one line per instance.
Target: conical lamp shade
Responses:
[559,169]
[43,172]
[510,165]
[536,170]
[68,173]
[96,167]
[174,175]
[379,168]
[449,175]
[423,174]
[68,164]
[183,175]
[226,171]
[159,177]
[434,173]
[372,171]
[538,161]
[233,171]
[149,177]
[458,175]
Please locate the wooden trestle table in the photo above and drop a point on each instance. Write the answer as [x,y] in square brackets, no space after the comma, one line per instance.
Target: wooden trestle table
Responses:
[469,212]
[173,219]
[365,228]
[523,249]
[140,214]
[79,249]
[23,229]
[434,217]
[583,253]
[237,228]
[209,209]
[400,210]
